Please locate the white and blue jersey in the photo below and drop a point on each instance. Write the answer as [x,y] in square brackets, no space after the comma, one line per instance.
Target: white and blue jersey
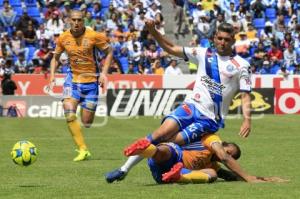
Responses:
[219,78]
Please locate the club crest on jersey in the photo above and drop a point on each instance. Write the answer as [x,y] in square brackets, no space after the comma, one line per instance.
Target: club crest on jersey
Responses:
[230,68]
[85,43]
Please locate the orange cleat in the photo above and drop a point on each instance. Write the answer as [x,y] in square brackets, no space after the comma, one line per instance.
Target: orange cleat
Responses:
[174,174]
[137,147]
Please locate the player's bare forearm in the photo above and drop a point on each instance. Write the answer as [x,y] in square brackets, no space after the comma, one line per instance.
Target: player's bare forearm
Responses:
[53,66]
[229,162]
[246,106]
[108,60]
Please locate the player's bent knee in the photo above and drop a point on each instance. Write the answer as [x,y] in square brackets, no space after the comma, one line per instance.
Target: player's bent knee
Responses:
[87,123]
[70,117]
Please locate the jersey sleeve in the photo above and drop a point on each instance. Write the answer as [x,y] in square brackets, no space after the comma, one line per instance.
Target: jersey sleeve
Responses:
[209,139]
[245,78]
[101,41]
[193,54]
[59,46]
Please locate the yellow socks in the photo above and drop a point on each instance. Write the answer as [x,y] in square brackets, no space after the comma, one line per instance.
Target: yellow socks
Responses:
[75,130]
[149,151]
[194,177]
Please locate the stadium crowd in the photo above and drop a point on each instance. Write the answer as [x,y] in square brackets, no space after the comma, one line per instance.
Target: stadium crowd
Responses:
[267,32]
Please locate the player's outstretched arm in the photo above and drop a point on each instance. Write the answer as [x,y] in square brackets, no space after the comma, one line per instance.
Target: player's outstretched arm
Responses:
[163,41]
[246,106]
[232,164]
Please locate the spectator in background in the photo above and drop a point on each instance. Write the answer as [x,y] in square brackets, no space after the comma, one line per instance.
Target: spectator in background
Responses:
[26,20]
[22,65]
[275,54]
[139,21]
[266,34]
[51,7]
[173,68]
[242,46]
[286,42]
[7,17]
[54,24]
[96,11]
[247,20]
[99,25]
[7,84]
[265,68]
[157,69]
[285,7]
[252,33]
[278,21]
[152,11]
[228,12]
[258,9]
[30,36]
[113,22]
[259,54]
[290,56]
[135,55]
[6,46]
[44,54]
[89,21]
[235,21]
[66,10]
[279,33]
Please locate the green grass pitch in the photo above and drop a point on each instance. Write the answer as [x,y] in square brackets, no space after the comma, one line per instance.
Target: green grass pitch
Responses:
[271,150]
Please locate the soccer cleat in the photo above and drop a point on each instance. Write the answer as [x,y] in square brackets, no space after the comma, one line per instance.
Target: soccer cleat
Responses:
[174,174]
[137,147]
[82,155]
[115,175]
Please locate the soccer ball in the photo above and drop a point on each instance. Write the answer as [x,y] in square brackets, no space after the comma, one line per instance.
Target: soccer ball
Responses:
[24,153]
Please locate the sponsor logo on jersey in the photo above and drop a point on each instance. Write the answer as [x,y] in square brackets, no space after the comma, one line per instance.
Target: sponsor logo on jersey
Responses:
[212,86]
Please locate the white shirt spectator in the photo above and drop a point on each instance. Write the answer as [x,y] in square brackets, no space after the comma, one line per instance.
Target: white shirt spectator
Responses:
[173,69]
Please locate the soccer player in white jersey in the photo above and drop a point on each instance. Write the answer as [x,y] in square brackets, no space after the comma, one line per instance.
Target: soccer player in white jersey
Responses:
[221,74]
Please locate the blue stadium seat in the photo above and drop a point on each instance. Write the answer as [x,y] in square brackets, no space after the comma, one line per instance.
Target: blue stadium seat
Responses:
[1,3]
[124,63]
[33,12]
[39,19]
[15,3]
[259,23]
[31,52]
[286,20]
[18,10]
[270,13]
[105,3]
[30,3]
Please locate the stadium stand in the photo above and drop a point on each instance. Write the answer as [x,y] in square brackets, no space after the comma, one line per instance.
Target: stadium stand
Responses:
[199,22]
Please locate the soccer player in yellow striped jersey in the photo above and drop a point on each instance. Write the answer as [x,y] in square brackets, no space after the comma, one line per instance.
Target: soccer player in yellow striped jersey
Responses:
[169,162]
[81,84]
